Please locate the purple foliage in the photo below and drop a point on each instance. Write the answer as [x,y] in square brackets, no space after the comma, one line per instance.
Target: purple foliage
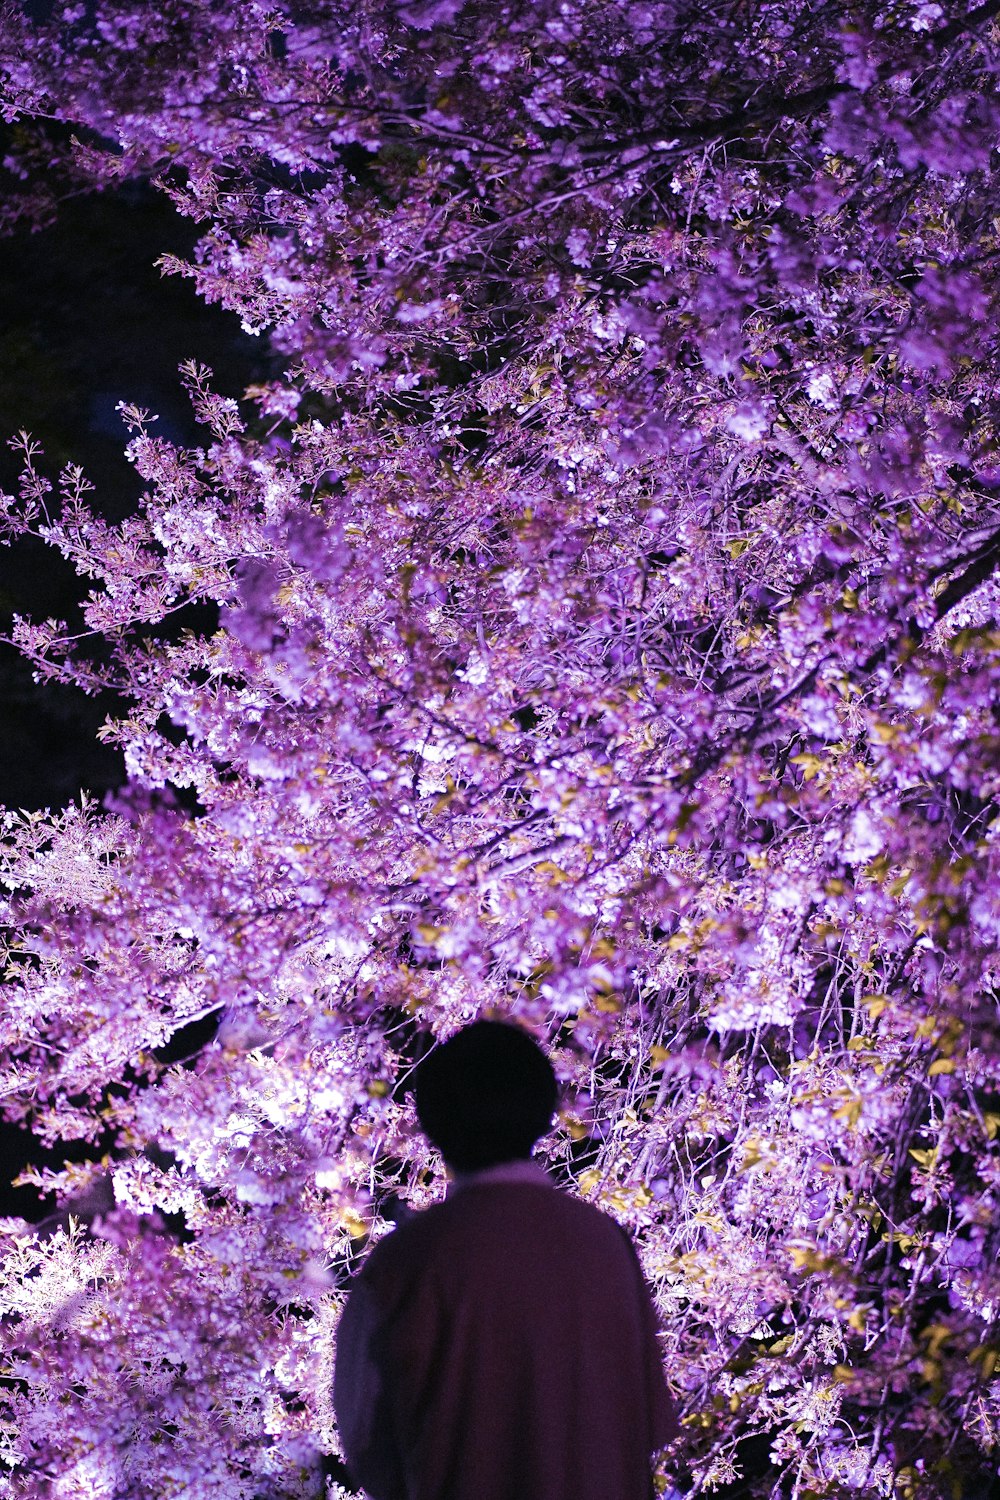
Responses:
[608,638]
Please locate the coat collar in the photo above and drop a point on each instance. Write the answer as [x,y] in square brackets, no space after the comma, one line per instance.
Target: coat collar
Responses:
[504,1172]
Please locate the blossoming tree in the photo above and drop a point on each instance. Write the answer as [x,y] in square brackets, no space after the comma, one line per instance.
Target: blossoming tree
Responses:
[605,635]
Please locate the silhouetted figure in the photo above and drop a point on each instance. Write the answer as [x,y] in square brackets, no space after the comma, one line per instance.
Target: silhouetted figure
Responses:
[500,1345]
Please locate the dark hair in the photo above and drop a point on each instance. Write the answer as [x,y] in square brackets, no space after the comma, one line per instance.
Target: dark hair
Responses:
[485,1095]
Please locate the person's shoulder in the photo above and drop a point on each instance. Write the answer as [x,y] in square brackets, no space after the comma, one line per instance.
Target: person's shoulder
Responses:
[415,1228]
[587,1217]
[538,1206]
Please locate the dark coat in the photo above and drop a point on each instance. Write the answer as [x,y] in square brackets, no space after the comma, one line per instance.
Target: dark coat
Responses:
[502,1346]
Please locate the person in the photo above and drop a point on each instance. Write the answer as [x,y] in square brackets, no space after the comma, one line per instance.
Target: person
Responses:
[500,1345]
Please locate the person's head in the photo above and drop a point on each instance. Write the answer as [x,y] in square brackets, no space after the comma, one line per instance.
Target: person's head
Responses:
[485,1095]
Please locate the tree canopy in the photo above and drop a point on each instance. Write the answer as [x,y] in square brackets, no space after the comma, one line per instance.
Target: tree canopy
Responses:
[594,623]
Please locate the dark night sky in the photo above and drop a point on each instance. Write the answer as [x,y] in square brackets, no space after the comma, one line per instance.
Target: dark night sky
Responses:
[87,321]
